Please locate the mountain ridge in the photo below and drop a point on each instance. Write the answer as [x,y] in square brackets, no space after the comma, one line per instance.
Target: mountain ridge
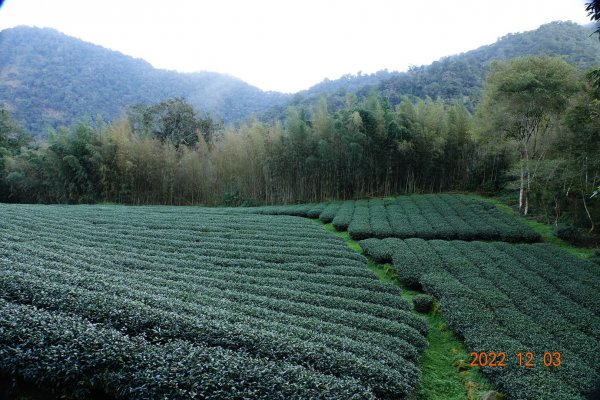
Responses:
[42,68]
[462,76]
[49,79]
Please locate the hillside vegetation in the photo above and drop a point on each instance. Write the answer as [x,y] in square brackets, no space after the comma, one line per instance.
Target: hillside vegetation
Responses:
[181,302]
[524,310]
[48,79]
[460,76]
[441,216]
[535,132]
[213,301]
[122,283]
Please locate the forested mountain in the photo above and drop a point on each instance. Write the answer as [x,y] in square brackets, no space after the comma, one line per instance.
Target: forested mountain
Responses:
[459,76]
[48,79]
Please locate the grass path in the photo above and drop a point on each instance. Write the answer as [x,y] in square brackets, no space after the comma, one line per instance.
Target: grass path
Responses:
[546,231]
[445,364]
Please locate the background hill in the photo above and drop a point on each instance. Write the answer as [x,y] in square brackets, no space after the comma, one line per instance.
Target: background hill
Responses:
[460,76]
[48,79]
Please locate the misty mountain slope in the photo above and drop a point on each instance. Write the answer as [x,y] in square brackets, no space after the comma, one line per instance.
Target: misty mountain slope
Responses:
[462,76]
[48,79]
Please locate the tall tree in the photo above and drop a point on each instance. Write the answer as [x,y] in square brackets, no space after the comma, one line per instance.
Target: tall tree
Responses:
[580,148]
[522,99]
[174,120]
[593,10]
[12,138]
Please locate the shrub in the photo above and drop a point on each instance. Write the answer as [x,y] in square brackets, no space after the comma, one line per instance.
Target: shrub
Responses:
[595,258]
[525,297]
[568,233]
[329,212]
[343,218]
[443,216]
[76,358]
[269,306]
[360,227]
[423,303]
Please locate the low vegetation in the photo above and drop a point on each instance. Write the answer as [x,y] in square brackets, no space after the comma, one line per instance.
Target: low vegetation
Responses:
[446,374]
[162,302]
[425,216]
[532,309]
[274,291]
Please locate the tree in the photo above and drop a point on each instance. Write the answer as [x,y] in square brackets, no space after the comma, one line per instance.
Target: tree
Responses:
[12,138]
[582,146]
[593,10]
[174,120]
[522,99]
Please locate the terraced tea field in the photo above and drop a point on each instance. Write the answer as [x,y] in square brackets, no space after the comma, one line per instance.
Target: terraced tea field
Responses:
[181,302]
[156,302]
[431,216]
[532,309]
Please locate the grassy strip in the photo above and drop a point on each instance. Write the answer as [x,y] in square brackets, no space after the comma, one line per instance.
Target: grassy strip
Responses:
[546,231]
[445,363]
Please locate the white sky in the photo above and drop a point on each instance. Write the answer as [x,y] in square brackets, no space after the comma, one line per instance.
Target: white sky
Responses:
[289,45]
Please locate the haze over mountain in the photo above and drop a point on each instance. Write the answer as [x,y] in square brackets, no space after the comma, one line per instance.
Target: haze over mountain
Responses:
[48,79]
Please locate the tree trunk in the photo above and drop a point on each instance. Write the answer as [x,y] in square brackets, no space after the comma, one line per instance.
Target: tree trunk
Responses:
[525,180]
[527,189]
[522,187]
[588,212]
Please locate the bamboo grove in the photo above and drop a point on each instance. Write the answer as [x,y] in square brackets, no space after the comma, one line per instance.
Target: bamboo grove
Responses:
[167,153]
[363,150]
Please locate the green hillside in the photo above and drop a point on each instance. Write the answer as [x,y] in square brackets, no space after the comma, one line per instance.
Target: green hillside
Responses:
[48,79]
[461,76]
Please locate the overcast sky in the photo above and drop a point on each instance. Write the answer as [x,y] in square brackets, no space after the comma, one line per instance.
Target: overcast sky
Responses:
[289,45]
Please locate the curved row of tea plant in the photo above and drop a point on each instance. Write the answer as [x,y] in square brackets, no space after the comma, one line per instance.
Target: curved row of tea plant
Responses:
[515,299]
[56,350]
[264,287]
[430,216]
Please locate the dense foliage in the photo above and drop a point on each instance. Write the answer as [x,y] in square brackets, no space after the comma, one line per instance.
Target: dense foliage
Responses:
[168,153]
[69,355]
[522,99]
[460,76]
[514,299]
[423,303]
[201,286]
[430,216]
[48,79]
[172,156]
[535,130]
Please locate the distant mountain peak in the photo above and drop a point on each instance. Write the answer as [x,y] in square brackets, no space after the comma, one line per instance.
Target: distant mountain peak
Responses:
[461,76]
[49,79]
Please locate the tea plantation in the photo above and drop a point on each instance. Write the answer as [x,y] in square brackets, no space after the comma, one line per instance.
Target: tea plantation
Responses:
[431,216]
[512,299]
[158,302]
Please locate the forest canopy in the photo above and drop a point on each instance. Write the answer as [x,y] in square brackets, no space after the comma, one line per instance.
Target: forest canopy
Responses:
[535,129]
[518,117]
